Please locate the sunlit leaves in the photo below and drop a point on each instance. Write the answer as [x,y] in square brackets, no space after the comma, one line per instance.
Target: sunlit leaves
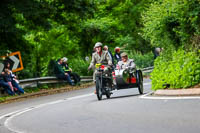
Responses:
[171,22]
[181,71]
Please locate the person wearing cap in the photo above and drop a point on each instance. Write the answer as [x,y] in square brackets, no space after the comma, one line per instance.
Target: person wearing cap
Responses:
[100,56]
[126,63]
[68,70]
[60,73]
[117,54]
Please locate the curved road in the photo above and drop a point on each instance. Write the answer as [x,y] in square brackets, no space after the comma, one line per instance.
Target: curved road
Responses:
[80,112]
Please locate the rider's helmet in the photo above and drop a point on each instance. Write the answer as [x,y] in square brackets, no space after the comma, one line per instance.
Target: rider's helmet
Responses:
[117,49]
[98,44]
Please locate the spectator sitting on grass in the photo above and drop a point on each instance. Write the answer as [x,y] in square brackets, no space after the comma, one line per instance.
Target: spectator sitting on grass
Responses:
[14,81]
[68,70]
[60,73]
[8,79]
[5,85]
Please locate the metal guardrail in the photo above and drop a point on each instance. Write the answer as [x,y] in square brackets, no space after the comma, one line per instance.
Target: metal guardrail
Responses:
[34,82]
[147,69]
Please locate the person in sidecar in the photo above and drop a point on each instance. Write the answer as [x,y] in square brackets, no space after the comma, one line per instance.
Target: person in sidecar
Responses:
[126,63]
[99,57]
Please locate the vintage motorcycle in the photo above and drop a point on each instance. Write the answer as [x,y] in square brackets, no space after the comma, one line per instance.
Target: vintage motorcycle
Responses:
[104,81]
[108,80]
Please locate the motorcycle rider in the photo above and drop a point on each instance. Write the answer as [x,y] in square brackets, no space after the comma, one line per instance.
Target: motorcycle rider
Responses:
[99,56]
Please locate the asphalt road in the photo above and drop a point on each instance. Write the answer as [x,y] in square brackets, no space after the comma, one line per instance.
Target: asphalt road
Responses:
[80,112]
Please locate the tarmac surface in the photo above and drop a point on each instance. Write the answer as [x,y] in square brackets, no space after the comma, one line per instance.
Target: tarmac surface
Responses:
[79,111]
[165,92]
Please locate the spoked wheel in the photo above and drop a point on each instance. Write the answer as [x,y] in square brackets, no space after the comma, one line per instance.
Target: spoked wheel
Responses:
[99,88]
[139,79]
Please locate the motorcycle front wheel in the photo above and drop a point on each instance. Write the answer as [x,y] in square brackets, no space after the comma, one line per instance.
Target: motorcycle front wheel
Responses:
[99,88]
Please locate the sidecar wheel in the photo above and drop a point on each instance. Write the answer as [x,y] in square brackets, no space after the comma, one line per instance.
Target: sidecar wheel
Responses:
[139,79]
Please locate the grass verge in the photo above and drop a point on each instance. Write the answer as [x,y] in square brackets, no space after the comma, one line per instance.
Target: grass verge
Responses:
[43,91]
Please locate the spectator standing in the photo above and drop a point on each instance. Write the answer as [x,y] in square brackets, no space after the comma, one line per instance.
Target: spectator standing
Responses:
[109,53]
[68,70]
[117,54]
[157,52]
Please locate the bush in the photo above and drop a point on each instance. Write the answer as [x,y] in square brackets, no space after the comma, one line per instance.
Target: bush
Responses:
[142,60]
[182,70]
[80,66]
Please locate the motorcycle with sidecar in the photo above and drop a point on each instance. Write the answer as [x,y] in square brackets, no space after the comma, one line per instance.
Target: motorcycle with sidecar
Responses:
[108,80]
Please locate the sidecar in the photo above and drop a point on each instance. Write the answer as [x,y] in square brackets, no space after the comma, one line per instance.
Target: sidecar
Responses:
[124,79]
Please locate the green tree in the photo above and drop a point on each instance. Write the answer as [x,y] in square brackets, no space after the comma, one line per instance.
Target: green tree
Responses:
[171,22]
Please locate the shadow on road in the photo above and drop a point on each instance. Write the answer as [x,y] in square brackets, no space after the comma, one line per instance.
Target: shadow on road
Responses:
[124,96]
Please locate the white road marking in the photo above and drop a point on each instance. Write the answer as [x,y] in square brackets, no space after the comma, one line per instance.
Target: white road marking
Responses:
[9,114]
[81,96]
[22,111]
[10,118]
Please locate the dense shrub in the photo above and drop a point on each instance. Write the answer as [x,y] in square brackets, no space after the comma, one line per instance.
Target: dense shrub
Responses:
[182,70]
[142,60]
[80,66]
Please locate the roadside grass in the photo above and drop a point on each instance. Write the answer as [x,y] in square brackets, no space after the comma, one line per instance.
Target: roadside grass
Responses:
[44,89]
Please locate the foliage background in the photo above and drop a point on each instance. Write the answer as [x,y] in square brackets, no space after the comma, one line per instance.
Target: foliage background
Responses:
[174,25]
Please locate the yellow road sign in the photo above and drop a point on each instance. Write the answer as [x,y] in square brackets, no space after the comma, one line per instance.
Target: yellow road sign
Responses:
[15,61]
